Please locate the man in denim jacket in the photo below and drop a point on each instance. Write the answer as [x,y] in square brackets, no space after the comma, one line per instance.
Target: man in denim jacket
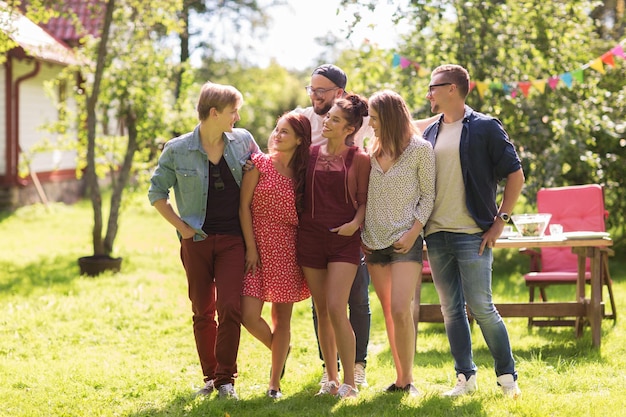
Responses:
[472,155]
[204,167]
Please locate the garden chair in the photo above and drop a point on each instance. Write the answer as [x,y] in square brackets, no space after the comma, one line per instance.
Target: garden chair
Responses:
[576,208]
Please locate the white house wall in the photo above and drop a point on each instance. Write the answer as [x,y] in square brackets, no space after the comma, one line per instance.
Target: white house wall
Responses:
[38,109]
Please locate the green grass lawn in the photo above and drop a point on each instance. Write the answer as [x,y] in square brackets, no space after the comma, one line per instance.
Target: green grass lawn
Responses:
[122,345]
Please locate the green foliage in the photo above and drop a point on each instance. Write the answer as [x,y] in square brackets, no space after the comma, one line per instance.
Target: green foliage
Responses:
[565,136]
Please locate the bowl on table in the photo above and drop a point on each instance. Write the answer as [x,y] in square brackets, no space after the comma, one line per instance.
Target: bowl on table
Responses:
[531,225]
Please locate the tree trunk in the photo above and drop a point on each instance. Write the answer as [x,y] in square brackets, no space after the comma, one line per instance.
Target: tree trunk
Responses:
[122,181]
[184,48]
[92,101]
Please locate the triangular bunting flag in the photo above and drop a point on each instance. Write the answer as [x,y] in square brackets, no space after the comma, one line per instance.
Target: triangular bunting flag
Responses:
[607,58]
[578,75]
[495,85]
[567,79]
[422,72]
[404,62]
[597,65]
[481,87]
[540,85]
[553,82]
[618,51]
[524,86]
[396,60]
[472,85]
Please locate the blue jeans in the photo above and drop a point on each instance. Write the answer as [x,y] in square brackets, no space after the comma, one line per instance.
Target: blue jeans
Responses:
[360,315]
[462,276]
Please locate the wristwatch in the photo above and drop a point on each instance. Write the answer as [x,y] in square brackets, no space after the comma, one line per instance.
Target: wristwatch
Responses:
[505,217]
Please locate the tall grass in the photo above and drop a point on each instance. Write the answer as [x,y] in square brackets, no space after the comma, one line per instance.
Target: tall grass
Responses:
[122,345]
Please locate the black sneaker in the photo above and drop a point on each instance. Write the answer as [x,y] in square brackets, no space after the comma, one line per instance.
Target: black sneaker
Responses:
[411,390]
[274,394]
[394,388]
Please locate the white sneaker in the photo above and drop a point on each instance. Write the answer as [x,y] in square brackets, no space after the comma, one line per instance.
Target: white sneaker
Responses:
[208,388]
[359,375]
[324,379]
[330,387]
[227,391]
[347,391]
[463,386]
[509,386]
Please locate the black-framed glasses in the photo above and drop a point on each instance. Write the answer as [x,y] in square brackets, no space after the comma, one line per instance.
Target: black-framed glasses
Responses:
[430,87]
[218,182]
[318,92]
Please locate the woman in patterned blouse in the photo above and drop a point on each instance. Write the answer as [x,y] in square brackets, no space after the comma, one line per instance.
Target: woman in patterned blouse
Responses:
[401,195]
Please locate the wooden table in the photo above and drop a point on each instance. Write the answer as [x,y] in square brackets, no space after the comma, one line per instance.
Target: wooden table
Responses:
[590,308]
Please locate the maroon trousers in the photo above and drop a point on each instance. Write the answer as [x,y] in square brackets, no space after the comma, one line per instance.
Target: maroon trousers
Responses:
[215,269]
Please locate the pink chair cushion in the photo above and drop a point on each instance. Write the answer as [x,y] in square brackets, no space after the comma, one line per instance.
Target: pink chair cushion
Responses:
[426,272]
[426,268]
[553,277]
[577,208]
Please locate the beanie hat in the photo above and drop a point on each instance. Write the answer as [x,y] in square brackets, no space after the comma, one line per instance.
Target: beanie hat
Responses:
[333,73]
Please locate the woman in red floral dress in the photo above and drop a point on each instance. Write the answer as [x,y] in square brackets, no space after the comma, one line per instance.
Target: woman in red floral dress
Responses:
[271,198]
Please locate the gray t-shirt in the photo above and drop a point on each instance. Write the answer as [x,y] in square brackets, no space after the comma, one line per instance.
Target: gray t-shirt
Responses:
[450,213]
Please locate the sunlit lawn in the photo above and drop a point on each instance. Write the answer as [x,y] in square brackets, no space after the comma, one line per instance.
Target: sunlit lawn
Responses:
[122,345]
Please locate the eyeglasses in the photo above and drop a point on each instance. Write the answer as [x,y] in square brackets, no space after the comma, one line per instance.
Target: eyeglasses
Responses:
[218,182]
[430,87]
[319,92]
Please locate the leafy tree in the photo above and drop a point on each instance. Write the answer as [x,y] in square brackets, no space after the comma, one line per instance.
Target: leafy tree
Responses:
[124,104]
[229,16]
[566,136]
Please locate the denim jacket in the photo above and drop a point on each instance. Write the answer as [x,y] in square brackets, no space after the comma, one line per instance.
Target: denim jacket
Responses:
[487,157]
[184,166]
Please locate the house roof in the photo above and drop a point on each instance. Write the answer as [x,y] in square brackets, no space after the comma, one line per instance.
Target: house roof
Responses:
[89,12]
[33,39]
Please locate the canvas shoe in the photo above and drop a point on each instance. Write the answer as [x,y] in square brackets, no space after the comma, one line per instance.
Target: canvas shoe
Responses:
[208,388]
[463,386]
[359,375]
[509,386]
[411,390]
[274,394]
[393,388]
[330,387]
[227,391]
[347,391]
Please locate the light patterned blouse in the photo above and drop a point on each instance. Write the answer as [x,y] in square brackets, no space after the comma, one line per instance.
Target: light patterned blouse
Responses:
[400,196]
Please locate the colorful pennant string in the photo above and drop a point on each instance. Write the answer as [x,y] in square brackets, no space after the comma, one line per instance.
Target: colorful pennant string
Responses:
[512,88]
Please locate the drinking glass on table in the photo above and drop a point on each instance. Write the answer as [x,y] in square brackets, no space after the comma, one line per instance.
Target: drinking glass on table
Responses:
[556,229]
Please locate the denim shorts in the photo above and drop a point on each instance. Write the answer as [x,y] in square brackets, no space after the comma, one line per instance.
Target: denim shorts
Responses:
[388,256]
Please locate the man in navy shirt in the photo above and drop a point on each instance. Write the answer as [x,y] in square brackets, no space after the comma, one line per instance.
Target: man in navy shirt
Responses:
[473,154]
